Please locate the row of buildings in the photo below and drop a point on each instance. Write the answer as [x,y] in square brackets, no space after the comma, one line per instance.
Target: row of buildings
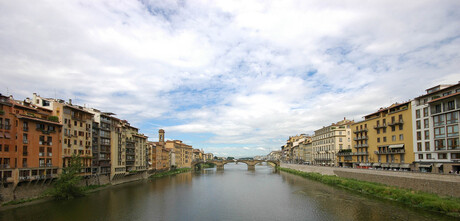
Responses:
[417,135]
[39,136]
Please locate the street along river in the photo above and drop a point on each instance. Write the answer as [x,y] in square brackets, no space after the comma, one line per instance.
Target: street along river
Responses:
[232,194]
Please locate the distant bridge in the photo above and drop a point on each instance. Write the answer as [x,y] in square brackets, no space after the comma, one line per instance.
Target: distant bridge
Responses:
[220,163]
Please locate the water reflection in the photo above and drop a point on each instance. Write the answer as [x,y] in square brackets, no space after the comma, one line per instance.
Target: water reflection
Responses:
[234,193]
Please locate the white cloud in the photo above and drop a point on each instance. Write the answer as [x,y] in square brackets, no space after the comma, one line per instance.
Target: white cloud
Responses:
[250,73]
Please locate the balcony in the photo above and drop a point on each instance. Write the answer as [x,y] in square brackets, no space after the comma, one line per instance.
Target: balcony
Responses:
[25,141]
[360,130]
[360,153]
[5,166]
[25,153]
[396,122]
[396,151]
[378,126]
[360,138]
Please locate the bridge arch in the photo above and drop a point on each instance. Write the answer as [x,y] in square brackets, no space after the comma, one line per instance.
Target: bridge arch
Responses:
[220,163]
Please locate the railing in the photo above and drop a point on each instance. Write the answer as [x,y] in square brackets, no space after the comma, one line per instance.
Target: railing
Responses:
[390,151]
[25,141]
[5,166]
[361,130]
[380,126]
[24,153]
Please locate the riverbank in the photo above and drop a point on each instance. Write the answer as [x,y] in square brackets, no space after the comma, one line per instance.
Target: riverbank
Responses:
[169,173]
[418,199]
[46,197]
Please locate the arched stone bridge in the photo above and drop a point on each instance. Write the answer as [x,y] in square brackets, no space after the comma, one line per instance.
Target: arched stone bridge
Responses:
[220,163]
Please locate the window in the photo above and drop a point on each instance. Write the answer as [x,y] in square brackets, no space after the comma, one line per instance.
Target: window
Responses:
[419,135]
[452,144]
[440,144]
[340,139]
[428,156]
[455,156]
[442,156]
[417,114]
[393,138]
[378,131]
[384,130]
[378,139]
[420,156]
[427,135]
[401,127]
[384,139]
[418,125]
[450,105]
[437,109]
[419,146]
[439,132]
[425,112]
[393,128]
[438,120]
[402,158]
[401,137]
[452,118]
[427,146]
[452,130]
[426,123]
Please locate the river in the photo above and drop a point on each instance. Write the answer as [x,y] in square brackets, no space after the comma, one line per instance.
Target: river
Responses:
[232,194]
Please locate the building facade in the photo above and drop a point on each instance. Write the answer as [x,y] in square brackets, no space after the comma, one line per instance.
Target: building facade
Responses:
[29,142]
[183,153]
[328,141]
[436,137]
[383,140]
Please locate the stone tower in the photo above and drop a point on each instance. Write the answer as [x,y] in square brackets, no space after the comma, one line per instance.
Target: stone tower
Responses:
[161,135]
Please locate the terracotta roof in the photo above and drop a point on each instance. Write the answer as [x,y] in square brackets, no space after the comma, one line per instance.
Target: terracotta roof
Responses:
[441,98]
[38,119]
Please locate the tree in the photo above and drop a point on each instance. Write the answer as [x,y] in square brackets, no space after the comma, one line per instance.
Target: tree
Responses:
[230,158]
[66,186]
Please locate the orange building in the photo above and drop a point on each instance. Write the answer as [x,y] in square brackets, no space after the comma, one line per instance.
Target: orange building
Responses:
[159,155]
[29,142]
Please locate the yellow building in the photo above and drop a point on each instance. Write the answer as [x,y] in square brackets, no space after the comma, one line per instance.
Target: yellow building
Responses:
[383,140]
[183,153]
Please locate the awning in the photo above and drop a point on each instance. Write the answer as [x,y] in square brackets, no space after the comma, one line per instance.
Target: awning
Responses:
[376,164]
[438,164]
[385,165]
[424,166]
[7,135]
[394,165]
[396,146]
[150,163]
[405,165]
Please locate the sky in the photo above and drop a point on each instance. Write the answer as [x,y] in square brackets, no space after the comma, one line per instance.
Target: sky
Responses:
[235,78]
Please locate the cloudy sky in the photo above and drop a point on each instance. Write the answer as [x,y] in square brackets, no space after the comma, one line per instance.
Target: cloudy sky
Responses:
[236,78]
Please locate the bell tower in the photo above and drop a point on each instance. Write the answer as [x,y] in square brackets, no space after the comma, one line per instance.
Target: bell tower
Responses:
[161,135]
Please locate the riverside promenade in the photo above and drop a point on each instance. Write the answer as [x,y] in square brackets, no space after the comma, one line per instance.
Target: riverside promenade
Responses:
[441,184]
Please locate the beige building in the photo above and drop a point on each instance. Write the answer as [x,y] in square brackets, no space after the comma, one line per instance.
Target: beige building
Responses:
[183,153]
[328,141]
[383,140]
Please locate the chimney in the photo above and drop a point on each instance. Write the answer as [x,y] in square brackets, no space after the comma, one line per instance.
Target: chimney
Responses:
[70,101]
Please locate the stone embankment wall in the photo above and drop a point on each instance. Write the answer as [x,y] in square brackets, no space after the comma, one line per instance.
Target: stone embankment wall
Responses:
[441,184]
[36,188]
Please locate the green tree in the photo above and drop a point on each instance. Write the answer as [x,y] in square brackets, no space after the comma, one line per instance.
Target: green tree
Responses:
[66,186]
